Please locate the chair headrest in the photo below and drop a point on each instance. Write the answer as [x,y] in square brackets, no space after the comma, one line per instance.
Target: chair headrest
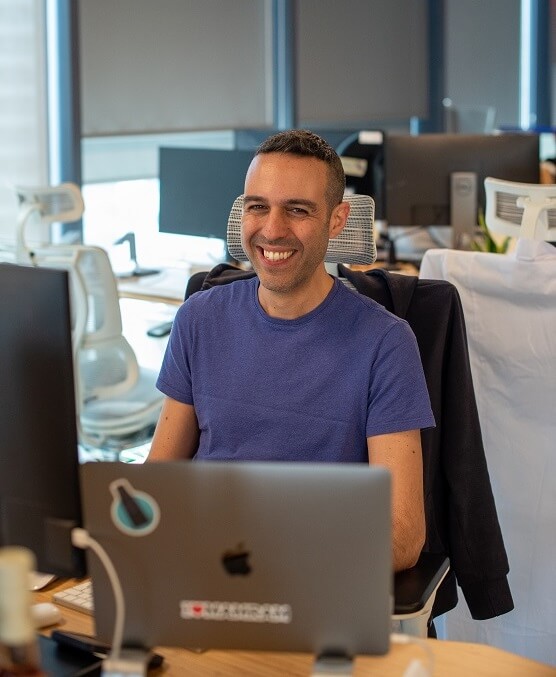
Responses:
[355,244]
[525,210]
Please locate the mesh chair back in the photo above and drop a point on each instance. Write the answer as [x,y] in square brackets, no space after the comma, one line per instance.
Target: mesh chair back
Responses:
[524,210]
[355,244]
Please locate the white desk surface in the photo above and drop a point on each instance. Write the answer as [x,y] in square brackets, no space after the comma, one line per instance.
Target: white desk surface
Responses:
[167,286]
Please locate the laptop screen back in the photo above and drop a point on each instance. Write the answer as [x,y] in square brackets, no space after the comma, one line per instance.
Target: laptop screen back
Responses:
[258,556]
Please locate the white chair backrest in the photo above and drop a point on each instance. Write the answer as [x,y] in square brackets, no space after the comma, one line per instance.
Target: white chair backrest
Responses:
[510,316]
[355,244]
[105,364]
[49,204]
[523,210]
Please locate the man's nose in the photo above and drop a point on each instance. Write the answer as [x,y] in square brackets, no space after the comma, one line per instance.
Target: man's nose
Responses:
[276,225]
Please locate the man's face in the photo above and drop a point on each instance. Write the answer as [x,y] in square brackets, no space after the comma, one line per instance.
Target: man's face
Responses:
[286,219]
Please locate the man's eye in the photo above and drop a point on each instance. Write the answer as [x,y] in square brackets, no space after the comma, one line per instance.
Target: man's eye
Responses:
[254,208]
[300,211]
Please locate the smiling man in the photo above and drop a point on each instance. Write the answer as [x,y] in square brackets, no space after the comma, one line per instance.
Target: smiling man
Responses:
[291,365]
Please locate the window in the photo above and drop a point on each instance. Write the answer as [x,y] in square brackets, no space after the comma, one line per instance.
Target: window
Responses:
[23,119]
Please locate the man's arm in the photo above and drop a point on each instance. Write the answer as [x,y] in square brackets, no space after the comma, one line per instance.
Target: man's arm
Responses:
[401,454]
[177,432]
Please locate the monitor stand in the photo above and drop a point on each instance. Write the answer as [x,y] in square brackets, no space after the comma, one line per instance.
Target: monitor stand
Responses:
[138,271]
[463,209]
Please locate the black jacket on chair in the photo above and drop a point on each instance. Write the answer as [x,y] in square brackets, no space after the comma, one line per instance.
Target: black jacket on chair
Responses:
[460,512]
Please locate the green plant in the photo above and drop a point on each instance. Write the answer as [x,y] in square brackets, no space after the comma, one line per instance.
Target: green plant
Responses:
[485,242]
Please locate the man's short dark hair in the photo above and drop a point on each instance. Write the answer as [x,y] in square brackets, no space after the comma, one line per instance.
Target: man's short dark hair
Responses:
[304,143]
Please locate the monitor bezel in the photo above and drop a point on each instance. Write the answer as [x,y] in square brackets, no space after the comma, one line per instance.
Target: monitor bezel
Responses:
[40,500]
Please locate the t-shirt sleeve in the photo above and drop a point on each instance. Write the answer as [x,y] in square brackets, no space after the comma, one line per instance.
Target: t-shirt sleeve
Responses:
[174,379]
[398,396]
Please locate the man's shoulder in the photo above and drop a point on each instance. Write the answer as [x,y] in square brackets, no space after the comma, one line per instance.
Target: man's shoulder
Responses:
[366,307]
[223,291]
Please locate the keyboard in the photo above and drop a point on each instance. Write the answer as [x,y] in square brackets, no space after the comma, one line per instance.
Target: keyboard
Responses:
[79,597]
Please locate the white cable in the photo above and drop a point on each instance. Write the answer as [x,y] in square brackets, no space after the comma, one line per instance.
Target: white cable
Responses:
[81,539]
[416,668]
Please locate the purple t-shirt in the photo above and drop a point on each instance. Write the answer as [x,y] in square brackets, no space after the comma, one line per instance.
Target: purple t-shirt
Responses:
[309,389]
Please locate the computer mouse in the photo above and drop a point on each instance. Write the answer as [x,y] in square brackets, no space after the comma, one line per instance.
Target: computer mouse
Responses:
[45,614]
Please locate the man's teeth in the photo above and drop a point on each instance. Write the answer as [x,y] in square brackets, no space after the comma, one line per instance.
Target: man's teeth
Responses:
[276,256]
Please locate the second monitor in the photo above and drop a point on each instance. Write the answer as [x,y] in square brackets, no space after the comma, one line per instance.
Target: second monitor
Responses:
[438,179]
[198,187]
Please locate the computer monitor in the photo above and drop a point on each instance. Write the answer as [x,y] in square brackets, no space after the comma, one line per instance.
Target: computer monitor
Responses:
[438,179]
[362,156]
[39,489]
[198,187]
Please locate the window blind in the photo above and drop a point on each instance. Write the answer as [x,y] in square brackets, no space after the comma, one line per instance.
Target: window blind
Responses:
[174,65]
[23,118]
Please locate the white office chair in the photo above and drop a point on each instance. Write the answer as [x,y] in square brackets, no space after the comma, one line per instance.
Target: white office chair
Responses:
[510,312]
[48,204]
[523,210]
[117,401]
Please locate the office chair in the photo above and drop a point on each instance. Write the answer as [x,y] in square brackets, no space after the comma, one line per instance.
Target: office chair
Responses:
[118,403]
[51,204]
[510,311]
[416,588]
[521,210]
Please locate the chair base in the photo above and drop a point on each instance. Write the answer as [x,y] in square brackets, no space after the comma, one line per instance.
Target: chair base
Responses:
[111,446]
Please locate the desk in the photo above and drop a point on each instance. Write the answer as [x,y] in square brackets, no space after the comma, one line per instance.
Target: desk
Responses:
[167,286]
[451,658]
[139,315]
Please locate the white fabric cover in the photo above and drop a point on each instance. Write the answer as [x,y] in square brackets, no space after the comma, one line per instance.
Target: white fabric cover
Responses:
[509,303]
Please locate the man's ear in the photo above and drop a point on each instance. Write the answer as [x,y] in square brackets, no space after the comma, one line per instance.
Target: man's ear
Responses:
[338,219]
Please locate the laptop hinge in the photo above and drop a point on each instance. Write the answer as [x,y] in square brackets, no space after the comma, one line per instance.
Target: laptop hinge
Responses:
[332,663]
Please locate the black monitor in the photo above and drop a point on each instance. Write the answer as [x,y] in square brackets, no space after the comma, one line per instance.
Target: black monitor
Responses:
[198,187]
[362,155]
[438,179]
[39,463]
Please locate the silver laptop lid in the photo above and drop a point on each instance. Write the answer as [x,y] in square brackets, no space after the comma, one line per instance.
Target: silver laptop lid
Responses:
[259,556]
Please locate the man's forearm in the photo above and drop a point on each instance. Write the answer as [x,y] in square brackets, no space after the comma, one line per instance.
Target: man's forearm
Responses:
[408,539]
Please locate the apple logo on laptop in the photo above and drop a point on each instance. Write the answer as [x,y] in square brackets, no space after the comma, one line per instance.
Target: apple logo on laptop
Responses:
[236,561]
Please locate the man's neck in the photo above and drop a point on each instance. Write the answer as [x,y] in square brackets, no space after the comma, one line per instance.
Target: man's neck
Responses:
[294,304]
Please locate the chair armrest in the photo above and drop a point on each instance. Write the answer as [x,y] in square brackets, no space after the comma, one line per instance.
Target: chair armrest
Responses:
[414,587]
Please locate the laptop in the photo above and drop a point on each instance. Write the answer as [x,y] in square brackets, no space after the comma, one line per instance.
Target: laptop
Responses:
[252,556]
